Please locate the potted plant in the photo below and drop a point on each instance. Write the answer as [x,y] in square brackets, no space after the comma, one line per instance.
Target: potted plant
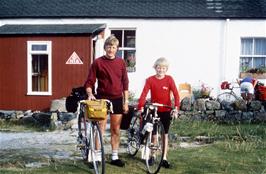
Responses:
[259,73]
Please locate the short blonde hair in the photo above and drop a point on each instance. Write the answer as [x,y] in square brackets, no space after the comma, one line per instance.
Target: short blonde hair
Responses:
[111,40]
[161,62]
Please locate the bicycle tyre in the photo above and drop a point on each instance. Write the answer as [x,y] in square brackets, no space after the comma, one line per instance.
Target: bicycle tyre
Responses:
[83,132]
[133,143]
[154,148]
[227,96]
[96,149]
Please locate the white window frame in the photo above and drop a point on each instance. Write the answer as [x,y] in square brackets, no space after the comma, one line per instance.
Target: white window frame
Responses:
[31,52]
[123,48]
[252,55]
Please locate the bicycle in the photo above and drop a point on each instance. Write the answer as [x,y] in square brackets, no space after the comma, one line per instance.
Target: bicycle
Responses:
[229,95]
[147,132]
[90,140]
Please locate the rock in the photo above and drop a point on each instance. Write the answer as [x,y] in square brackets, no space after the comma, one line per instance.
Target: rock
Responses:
[26,120]
[260,117]
[58,105]
[255,105]
[66,116]
[44,119]
[186,104]
[199,105]
[212,105]
[240,105]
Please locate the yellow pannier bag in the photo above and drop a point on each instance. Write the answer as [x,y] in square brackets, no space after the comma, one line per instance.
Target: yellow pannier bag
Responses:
[96,109]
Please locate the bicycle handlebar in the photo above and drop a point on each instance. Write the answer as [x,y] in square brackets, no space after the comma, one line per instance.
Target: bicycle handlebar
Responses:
[159,104]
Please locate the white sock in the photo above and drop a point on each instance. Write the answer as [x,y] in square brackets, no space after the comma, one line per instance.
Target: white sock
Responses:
[98,155]
[114,154]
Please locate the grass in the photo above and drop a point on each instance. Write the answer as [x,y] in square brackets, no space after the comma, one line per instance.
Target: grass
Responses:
[237,149]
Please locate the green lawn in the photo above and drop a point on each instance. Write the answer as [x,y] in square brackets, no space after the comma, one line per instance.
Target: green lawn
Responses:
[237,149]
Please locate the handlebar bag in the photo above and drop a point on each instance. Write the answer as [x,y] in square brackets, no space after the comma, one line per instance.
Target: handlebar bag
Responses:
[96,109]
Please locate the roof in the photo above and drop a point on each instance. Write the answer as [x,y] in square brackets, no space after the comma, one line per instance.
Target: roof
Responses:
[52,29]
[133,9]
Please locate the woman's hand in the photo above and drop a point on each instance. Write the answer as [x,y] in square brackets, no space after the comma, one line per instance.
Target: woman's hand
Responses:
[174,114]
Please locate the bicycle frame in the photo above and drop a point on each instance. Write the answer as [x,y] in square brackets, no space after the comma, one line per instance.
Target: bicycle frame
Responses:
[149,137]
[92,142]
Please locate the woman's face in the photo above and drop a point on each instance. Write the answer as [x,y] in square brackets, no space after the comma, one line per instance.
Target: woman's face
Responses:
[111,51]
[161,70]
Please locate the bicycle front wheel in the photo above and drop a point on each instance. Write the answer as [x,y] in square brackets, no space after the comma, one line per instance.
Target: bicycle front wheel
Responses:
[227,97]
[96,149]
[154,148]
[83,132]
[133,143]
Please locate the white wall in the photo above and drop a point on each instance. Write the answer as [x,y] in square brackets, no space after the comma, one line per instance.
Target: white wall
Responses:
[198,50]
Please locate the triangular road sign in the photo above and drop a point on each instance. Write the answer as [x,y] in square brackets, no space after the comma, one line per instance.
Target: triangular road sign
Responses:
[74,59]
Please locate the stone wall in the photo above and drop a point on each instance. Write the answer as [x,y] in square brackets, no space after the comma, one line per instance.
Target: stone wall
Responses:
[212,110]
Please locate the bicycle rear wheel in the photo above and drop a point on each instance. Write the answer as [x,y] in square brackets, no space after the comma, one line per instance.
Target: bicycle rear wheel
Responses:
[133,143]
[83,133]
[96,149]
[227,97]
[154,148]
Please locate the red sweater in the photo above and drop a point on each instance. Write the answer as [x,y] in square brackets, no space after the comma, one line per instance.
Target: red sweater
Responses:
[111,75]
[160,92]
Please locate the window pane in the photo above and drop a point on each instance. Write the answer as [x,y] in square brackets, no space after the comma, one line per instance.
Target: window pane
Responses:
[246,46]
[40,73]
[130,60]
[129,38]
[259,62]
[39,47]
[118,35]
[245,63]
[119,53]
[260,46]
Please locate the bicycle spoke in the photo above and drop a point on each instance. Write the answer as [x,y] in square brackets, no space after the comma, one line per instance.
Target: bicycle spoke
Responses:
[97,150]
[133,136]
[154,148]
[82,136]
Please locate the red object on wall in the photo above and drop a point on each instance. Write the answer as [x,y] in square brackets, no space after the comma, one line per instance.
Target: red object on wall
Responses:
[262,93]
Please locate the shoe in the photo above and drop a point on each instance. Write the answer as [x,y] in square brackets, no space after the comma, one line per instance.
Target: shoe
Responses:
[118,163]
[151,161]
[165,164]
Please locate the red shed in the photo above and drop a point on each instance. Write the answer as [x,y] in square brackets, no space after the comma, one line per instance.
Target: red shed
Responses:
[40,63]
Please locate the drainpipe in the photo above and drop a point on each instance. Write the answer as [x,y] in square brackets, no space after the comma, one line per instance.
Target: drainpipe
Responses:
[224,52]
[98,48]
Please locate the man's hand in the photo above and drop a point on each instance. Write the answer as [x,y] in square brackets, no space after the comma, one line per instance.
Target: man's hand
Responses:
[91,96]
[125,108]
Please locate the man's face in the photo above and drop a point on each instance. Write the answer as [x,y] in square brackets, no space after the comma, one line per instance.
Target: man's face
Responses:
[111,51]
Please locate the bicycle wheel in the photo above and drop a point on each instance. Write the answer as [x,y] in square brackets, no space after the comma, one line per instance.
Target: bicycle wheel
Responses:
[154,148]
[83,131]
[227,97]
[133,143]
[96,149]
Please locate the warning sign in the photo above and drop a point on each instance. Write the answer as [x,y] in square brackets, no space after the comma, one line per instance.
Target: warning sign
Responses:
[74,59]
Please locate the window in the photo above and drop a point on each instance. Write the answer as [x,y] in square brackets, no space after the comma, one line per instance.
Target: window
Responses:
[127,49]
[253,53]
[39,68]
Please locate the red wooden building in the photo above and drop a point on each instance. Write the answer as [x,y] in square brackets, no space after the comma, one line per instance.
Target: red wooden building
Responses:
[43,62]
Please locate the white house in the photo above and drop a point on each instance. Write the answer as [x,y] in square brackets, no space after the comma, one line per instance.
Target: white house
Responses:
[204,40]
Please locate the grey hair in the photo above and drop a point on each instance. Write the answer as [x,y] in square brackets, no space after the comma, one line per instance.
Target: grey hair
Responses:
[161,62]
